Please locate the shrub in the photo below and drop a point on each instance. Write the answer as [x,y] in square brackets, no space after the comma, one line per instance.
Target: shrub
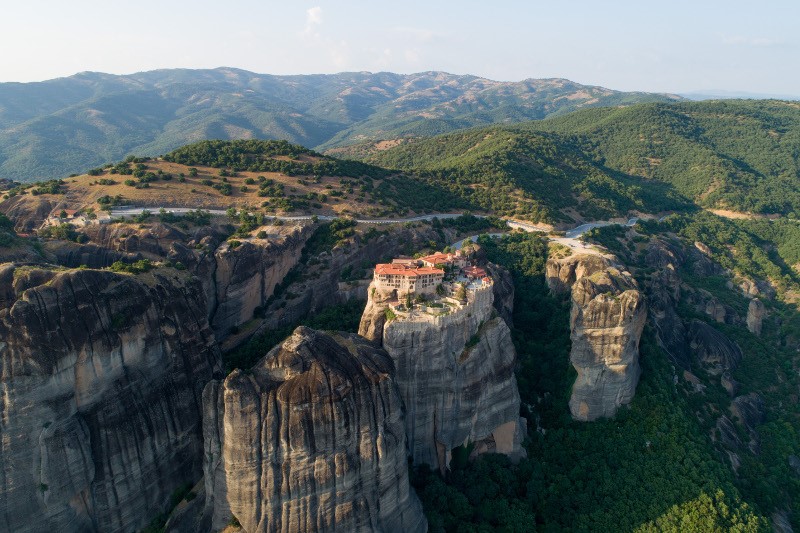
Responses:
[139,267]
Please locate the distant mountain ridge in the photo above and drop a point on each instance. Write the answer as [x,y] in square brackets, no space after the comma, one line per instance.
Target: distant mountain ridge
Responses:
[57,127]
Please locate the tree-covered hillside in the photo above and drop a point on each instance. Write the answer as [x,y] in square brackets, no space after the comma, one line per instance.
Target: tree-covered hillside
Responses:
[737,154]
[528,175]
[67,125]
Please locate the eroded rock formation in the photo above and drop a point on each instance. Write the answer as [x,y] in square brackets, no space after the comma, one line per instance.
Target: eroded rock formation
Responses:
[606,323]
[755,316]
[712,350]
[456,376]
[311,439]
[102,376]
[318,283]
[246,276]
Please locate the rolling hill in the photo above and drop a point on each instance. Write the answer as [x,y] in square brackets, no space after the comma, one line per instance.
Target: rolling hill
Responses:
[741,156]
[67,125]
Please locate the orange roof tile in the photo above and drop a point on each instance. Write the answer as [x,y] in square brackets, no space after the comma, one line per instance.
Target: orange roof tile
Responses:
[438,257]
[403,270]
[475,272]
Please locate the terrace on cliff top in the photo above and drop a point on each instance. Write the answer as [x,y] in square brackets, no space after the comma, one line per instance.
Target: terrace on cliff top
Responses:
[431,286]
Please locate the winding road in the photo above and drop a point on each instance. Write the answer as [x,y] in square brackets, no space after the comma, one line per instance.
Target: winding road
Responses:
[570,239]
[133,211]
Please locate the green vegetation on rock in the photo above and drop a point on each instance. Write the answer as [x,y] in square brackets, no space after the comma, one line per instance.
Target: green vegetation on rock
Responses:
[649,468]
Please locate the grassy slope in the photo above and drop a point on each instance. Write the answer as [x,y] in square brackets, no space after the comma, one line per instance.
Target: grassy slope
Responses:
[289,180]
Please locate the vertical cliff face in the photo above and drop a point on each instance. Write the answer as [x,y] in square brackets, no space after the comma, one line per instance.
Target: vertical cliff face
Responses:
[245,277]
[606,323]
[456,376]
[312,439]
[236,280]
[102,376]
[317,284]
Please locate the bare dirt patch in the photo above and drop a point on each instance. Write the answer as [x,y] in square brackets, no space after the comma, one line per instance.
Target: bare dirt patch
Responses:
[737,215]
[385,145]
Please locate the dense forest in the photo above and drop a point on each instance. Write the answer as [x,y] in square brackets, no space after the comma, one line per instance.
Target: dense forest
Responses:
[737,154]
[527,175]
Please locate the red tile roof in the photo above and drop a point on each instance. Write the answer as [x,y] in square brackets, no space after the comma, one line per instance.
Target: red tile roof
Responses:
[438,257]
[403,270]
[475,272]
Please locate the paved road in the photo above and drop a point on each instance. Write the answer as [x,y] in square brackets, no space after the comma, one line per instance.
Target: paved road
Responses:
[133,211]
[571,238]
[574,233]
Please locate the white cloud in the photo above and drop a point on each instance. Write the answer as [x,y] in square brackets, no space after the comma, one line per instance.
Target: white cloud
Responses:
[313,22]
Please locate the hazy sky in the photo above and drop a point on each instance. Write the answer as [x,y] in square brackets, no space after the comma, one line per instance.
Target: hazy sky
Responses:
[673,46]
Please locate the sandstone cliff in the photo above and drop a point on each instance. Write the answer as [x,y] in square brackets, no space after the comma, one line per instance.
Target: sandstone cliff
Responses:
[755,316]
[102,376]
[312,439]
[606,323]
[317,284]
[246,276]
[712,350]
[456,376]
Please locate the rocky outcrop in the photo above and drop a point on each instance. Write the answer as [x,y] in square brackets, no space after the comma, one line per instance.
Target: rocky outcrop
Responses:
[664,293]
[311,439]
[27,211]
[246,276]
[562,274]
[751,411]
[73,255]
[712,350]
[755,316]
[102,376]
[606,323]
[781,521]
[316,285]
[456,376]
[503,289]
